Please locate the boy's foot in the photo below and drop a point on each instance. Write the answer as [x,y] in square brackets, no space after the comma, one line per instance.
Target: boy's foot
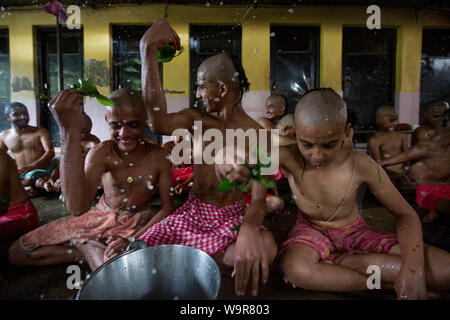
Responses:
[32,192]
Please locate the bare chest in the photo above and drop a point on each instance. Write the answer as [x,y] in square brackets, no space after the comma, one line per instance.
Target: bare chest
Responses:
[24,142]
[322,194]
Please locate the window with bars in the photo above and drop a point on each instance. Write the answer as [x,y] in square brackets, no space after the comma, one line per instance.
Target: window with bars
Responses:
[435,67]
[294,58]
[368,72]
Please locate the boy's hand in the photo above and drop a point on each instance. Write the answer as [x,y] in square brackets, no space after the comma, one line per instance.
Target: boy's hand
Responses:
[237,173]
[158,36]
[250,256]
[114,247]
[65,107]
[410,286]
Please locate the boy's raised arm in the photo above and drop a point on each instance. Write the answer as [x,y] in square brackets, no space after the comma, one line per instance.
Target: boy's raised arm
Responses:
[77,187]
[155,38]
[410,281]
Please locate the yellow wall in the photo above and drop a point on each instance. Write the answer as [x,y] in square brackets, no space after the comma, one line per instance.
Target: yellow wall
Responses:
[255,38]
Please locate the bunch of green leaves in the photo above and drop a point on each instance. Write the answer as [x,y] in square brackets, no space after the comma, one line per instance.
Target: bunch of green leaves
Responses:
[167,53]
[226,185]
[87,88]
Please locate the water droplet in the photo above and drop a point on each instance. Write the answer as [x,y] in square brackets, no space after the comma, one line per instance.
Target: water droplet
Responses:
[154,270]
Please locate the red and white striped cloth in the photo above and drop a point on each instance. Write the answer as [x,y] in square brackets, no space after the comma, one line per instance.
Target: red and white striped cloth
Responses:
[198,224]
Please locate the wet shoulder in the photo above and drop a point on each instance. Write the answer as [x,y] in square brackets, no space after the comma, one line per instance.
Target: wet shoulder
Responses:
[101,150]
[290,157]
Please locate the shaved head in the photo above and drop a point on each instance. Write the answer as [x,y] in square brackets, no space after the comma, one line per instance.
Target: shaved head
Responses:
[321,107]
[219,68]
[277,100]
[127,99]
[437,105]
[384,111]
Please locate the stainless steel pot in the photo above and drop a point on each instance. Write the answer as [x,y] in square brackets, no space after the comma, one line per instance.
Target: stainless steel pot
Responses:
[164,272]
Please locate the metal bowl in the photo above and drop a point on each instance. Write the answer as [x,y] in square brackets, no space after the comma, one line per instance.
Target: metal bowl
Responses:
[165,272]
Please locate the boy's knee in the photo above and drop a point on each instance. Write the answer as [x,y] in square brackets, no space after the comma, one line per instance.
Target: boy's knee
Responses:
[295,271]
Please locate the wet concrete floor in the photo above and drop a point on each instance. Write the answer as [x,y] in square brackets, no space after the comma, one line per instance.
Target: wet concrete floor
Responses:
[49,283]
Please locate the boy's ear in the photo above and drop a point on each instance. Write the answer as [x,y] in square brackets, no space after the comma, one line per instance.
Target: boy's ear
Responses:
[224,88]
[347,129]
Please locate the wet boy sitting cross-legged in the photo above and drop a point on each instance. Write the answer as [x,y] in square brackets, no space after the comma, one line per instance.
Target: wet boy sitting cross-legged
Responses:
[330,246]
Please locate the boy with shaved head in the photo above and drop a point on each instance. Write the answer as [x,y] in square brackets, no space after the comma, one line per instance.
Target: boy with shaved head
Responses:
[387,142]
[129,169]
[433,119]
[330,246]
[431,171]
[209,216]
[31,146]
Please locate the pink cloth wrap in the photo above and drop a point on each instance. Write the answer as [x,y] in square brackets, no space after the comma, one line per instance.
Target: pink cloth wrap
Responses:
[101,224]
[334,245]
[198,224]
[428,196]
[19,219]
[181,175]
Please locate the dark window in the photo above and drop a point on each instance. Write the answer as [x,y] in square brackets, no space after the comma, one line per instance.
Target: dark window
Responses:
[127,57]
[368,72]
[207,41]
[5,88]
[294,58]
[435,69]
[72,48]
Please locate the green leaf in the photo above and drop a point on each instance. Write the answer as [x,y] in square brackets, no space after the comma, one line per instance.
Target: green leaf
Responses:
[104,100]
[167,53]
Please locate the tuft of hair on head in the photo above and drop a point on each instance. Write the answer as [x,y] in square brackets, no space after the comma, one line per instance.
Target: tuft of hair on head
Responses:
[9,107]
[383,111]
[244,85]
[321,107]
